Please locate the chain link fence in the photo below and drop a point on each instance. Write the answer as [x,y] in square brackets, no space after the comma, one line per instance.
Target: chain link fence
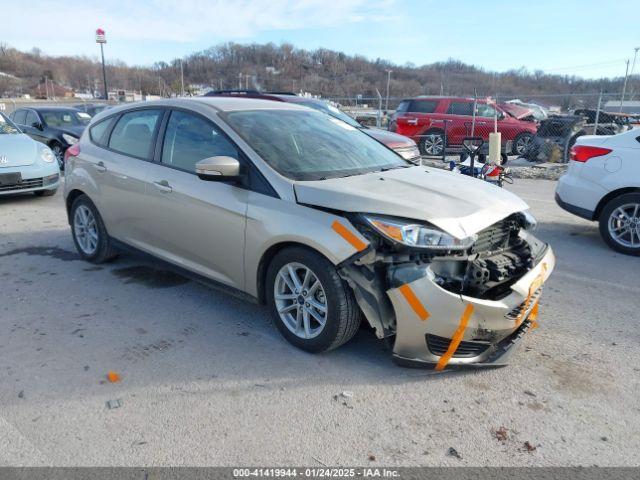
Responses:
[535,127]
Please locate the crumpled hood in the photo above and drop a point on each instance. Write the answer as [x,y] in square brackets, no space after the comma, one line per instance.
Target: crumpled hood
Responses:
[459,205]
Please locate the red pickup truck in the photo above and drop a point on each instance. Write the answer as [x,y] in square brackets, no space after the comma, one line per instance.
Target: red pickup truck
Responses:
[426,119]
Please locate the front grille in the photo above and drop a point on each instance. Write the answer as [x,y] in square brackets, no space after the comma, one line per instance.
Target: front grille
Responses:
[515,313]
[439,345]
[23,185]
[496,236]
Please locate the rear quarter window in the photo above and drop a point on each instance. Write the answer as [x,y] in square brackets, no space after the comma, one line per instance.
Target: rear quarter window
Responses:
[423,106]
[460,108]
[98,132]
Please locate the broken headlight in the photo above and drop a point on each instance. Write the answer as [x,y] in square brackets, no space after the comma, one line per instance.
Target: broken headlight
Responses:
[417,235]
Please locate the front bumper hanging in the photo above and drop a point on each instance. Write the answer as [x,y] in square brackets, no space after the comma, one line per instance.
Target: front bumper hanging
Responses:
[438,328]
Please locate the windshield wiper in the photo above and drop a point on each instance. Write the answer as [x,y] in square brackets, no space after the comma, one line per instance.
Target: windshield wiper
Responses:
[386,169]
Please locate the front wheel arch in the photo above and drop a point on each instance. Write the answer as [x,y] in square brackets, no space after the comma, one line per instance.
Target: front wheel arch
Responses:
[266,259]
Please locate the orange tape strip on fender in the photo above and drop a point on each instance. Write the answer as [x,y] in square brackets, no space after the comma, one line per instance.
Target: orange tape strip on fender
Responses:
[533,316]
[457,338]
[414,302]
[345,233]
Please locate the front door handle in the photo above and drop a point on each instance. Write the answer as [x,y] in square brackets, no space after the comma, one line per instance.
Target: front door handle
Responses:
[100,167]
[163,186]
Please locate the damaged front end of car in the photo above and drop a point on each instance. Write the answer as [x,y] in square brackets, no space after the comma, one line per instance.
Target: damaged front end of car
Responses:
[443,301]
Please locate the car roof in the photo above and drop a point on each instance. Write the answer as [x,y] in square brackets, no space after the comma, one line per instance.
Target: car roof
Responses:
[438,97]
[48,108]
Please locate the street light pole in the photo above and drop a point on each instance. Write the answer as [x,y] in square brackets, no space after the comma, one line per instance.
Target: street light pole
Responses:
[181,79]
[624,87]
[101,38]
[386,102]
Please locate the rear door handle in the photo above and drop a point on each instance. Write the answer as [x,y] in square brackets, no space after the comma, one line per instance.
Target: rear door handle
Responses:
[163,186]
[100,167]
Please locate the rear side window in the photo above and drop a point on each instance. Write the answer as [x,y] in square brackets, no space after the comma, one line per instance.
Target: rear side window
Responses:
[19,116]
[31,118]
[98,133]
[190,138]
[403,107]
[423,106]
[133,134]
[461,108]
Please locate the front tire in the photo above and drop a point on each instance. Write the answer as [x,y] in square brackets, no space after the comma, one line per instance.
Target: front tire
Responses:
[58,152]
[311,305]
[89,233]
[521,143]
[620,224]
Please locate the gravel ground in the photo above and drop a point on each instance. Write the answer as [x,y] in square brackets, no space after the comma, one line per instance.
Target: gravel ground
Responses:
[207,380]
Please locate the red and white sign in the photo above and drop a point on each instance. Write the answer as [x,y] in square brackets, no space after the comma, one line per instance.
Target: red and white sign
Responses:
[101,36]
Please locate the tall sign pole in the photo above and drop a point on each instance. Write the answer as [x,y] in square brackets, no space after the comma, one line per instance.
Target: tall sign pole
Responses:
[101,38]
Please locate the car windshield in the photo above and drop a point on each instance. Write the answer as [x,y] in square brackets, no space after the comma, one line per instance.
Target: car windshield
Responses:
[331,110]
[7,126]
[65,118]
[307,145]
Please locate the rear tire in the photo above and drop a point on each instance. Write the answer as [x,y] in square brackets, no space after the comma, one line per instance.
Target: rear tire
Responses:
[45,193]
[432,143]
[341,315]
[89,233]
[620,224]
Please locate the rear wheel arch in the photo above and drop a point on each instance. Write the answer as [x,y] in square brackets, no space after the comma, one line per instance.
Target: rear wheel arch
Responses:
[71,197]
[610,196]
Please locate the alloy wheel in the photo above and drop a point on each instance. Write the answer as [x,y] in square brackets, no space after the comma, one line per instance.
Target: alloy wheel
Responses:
[433,144]
[624,225]
[300,300]
[522,144]
[85,229]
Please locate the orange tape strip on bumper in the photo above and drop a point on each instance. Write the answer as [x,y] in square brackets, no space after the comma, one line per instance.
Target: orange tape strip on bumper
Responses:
[345,233]
[457,338]
[533,316]
[537,283]
[414,302]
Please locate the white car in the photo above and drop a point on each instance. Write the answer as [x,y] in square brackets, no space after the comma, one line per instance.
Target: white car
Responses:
[603,184]
[25,165]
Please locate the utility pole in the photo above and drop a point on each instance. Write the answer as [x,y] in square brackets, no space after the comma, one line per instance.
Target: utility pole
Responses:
[386,102]
[624,87]
[101,38]
[181,79]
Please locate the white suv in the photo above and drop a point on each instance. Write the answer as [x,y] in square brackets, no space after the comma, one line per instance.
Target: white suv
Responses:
[603,184]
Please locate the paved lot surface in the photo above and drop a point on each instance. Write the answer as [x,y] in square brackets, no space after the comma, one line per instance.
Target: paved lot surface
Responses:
[207,380]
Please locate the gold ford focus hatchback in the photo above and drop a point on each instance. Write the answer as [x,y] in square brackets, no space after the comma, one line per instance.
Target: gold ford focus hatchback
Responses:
[308,215]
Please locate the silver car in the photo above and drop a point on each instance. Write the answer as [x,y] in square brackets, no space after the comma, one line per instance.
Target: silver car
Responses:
[25,165]
[310,216]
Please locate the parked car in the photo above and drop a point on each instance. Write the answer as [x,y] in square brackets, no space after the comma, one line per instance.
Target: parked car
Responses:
[426,119]
[539,113]
[56,127]
[402,145]
[92,108]
[25,165]
[608,123]
[602,184]
[301,211]
[554,139]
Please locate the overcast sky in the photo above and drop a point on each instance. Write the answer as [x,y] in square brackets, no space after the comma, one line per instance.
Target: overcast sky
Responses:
[590,38]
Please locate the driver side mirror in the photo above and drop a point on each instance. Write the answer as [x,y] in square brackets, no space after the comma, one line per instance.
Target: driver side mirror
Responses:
[218,169]
[37,125]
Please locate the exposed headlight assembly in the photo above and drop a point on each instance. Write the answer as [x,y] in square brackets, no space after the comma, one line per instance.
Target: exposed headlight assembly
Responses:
[47,155]
[418,235]
[70,139]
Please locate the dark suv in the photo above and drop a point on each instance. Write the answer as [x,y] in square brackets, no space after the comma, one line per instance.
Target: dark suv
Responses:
[438,123]
[402,145]
[57,127]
